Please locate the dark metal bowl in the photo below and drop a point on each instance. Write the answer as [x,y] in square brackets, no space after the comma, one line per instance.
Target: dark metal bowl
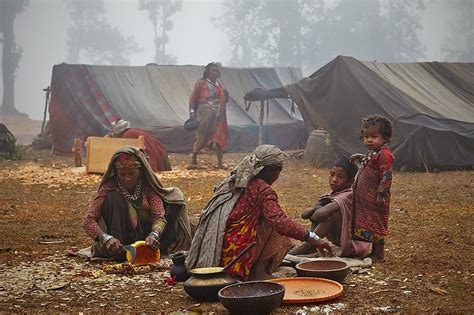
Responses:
[328,269]
[253,297]
[205,283]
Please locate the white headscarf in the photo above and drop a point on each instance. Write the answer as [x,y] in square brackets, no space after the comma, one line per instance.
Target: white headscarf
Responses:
[252,164]
[120,126]
[206,247]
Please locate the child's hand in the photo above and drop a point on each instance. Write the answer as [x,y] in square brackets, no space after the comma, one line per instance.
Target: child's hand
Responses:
[380,200]
[356,156]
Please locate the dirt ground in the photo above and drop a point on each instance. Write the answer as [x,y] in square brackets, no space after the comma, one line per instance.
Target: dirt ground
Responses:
[428,267]
[22,127]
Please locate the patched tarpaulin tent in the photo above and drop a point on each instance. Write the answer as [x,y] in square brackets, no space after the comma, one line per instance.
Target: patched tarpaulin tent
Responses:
[430,103]
[85,99]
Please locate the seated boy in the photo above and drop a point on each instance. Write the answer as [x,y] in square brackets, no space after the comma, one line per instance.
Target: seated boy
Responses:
[331,216]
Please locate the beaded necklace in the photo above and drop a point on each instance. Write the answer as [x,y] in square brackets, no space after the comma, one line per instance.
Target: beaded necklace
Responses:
[136,194]
[368,156]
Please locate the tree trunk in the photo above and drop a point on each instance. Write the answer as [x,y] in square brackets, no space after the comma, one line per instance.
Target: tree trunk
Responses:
[8,65]
[284,44]
[260,122]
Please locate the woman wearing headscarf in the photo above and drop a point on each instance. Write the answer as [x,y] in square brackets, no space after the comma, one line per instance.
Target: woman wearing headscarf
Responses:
[131,204]
[244,209]
[158,158]
[207,104]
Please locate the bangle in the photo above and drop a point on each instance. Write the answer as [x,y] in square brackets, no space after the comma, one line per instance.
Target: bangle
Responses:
[310,234]
[306,235]
[191,111]
[313,236]
[105,238]
[155,235]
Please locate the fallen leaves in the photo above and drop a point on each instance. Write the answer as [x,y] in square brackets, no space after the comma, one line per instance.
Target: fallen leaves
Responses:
[126,269]
[435,289]
[180,171]
[429,219]
[62,176]
[70,280]
[55,177]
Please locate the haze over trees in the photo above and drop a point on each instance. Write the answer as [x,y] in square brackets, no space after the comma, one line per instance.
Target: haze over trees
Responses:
[12,52]
[460,45]
[159,14]
[93,38]
[35,35]
[306,32]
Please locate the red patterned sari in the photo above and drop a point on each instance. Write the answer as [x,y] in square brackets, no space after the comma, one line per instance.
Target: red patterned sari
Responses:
[209,101]
[370,221]
[258,217]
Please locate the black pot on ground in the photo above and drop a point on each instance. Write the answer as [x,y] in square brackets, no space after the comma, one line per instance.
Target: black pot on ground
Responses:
[179,269]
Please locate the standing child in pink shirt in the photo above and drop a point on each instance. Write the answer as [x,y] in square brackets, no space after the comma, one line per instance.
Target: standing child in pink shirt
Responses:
[371,189]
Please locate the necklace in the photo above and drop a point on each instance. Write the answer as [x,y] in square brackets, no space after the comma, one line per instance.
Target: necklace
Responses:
[368,156]
[136,194]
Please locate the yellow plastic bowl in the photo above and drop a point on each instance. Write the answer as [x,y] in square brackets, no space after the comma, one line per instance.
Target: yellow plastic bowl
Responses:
[145,255]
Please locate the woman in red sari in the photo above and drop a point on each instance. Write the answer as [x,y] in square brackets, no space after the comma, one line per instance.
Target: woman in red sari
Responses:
[131,204]
[208,104]
[244,209]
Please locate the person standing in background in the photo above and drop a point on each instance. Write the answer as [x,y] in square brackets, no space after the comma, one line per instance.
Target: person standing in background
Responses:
[207,104]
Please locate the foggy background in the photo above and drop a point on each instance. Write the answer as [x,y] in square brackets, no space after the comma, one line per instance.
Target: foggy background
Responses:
[199,34]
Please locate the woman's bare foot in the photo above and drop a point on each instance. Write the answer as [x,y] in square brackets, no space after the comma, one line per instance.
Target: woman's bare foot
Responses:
[258,272]
[260,276]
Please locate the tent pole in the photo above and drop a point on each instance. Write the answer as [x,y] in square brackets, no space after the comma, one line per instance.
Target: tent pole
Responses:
[47,90]
[260,122]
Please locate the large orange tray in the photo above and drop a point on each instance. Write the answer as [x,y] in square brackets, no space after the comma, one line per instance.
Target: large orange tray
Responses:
[301,290]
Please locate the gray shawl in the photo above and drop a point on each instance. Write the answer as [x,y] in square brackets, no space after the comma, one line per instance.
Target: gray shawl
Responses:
[206,247]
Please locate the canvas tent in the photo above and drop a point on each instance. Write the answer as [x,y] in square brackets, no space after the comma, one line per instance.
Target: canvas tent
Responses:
[431,105]
[85,99]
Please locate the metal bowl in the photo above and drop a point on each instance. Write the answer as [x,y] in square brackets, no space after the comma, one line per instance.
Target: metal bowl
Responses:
[329,269]
[253,297]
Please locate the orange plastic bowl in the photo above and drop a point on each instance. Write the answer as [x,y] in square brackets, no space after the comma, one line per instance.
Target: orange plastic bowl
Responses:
[145,254]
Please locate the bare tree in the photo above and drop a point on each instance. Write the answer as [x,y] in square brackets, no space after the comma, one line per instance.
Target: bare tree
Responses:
[242,22]
[92,37]
[400,24]
[159,13]
[309,33]
[263,32]
[459,46]
[11,51]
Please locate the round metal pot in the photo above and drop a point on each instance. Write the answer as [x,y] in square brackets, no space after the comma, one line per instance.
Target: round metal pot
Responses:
[205,283]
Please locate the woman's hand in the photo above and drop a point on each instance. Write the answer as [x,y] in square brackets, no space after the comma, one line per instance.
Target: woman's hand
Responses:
[356,156]
[226,95]
[323,246]
[152,242]
[113,245]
